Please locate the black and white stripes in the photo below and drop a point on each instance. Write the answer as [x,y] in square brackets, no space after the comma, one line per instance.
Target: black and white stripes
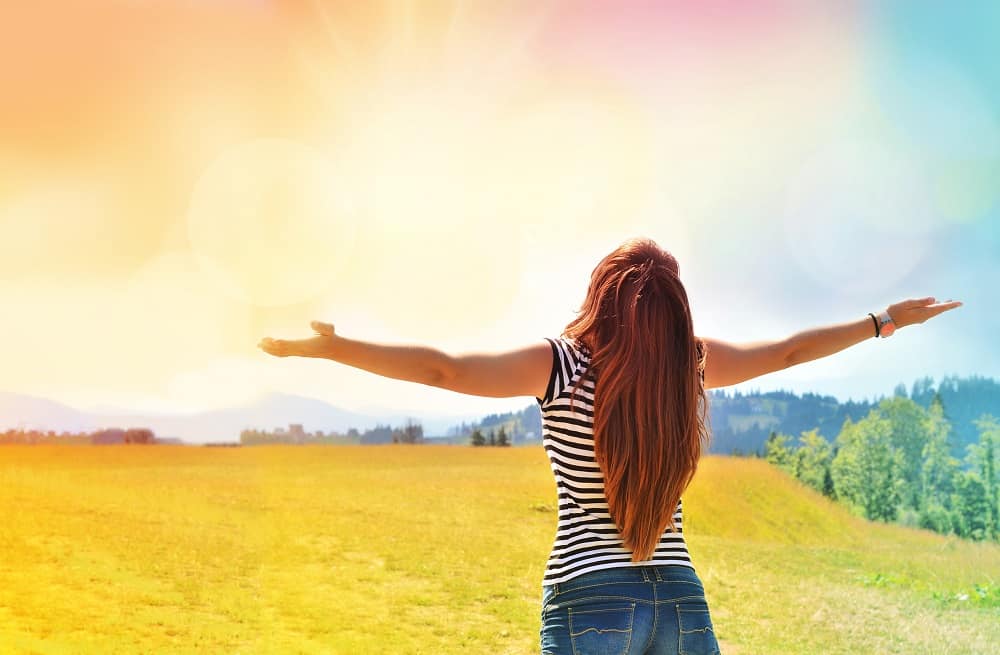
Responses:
[586,537]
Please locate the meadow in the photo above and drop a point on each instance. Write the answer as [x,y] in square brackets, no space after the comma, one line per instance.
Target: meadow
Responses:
[432,549]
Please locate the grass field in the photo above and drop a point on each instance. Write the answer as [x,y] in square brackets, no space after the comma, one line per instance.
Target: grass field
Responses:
[432,549]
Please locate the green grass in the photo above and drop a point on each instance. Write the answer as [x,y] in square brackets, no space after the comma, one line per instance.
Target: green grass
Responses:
[432,549]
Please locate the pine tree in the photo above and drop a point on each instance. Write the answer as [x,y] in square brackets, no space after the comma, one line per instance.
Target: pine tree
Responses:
[493,438]
[477,438]
[829,490]
[983,460]
[502,437]
[971,507]
[938,472]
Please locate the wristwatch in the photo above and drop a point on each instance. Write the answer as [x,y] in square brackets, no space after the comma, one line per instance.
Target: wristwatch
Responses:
[885,324]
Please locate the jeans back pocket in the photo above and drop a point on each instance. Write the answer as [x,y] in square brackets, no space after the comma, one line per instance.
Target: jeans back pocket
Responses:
[603,631]
[697,635]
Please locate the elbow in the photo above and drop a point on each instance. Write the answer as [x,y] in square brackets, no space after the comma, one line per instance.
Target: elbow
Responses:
[789,358]
[441,373]
[437,378]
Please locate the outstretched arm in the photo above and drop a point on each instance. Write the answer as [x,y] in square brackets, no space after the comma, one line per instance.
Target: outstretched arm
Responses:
[520,372]
[730,363]
[401,362]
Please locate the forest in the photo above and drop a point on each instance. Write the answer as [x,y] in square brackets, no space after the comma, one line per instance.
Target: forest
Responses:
[897,464]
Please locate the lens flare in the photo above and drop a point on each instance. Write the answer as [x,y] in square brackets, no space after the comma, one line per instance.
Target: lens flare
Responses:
[271,223]
[858,188]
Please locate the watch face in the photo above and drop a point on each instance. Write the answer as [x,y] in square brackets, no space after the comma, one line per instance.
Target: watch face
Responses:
[887,329]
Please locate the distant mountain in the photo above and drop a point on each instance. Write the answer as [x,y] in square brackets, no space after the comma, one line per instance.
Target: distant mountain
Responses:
[741,422]
[266,413]
[32,412]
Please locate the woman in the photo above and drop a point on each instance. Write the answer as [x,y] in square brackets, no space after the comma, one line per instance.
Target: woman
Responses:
[622,394]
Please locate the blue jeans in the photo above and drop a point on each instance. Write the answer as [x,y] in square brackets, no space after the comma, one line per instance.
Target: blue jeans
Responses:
[636,610]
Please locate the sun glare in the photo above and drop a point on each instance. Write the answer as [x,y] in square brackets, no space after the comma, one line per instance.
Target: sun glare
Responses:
[271,223]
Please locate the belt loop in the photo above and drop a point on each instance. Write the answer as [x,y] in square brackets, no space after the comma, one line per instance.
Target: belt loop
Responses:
[645,574]
[656,570]
[555,588]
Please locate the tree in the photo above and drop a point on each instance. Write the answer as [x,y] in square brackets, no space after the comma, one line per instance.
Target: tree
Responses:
[412,432]
[971,506]
[778,452]
[493,438]
[908,422]
[378,434]
[139,435]
[865,469]
[477,438]
[982,464]
[938,472]
[502,439]
[829,489]
[812,461]
[922,391]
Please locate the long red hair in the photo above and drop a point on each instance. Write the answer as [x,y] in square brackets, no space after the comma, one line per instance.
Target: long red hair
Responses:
[650,406]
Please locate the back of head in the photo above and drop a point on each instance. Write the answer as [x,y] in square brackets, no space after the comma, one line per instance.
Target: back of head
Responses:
[649,401]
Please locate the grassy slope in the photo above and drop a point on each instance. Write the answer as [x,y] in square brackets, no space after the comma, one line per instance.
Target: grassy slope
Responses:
[789,571]
[428,550]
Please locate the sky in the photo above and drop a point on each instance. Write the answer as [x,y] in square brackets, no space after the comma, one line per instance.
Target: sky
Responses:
[179,179]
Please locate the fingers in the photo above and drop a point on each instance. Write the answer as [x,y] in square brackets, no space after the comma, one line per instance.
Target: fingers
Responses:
[917,310]
[930,302]
[276,347]
[944,306]
[325,329]
[925,312]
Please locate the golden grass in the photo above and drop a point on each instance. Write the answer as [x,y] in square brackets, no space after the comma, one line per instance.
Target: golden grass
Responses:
[428,549]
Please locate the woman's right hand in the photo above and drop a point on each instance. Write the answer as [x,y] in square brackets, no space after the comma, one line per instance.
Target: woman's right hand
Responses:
[918,310]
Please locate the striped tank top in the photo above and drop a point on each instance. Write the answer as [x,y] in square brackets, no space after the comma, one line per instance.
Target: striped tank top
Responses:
[586,537]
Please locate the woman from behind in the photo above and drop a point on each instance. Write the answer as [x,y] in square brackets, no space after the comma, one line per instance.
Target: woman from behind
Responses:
[622,393]
[624,426]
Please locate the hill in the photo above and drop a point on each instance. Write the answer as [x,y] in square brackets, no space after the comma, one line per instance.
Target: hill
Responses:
[366,549]
[793,572]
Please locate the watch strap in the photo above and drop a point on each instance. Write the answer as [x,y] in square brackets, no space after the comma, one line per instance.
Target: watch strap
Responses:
[884,319]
